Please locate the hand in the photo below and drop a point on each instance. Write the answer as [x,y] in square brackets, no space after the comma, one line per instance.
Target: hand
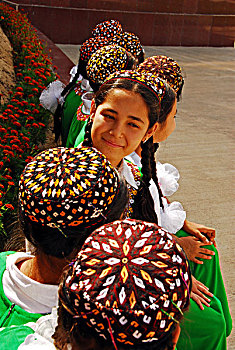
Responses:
[198,293]
[205,234]
[193,249]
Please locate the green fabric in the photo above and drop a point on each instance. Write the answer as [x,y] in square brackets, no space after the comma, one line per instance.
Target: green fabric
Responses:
[76,127]
[71,104]
[203,329]
[81,135]
[210,274]
[12,337]
[16,315]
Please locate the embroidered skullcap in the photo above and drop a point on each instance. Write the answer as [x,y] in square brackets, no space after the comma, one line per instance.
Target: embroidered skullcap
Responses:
[133,276]
[130,42]
[107,29]
[153,83]
[67,187]
[90,46]
[105,61]
[165,68]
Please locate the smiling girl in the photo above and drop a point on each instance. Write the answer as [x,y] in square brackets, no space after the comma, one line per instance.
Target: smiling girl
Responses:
[126,112]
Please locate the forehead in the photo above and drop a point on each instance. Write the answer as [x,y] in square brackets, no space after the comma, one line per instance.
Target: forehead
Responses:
[132,98]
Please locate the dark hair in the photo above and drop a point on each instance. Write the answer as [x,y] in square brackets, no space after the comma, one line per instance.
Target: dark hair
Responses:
[158,112]
[70,328]
[140,57]
[179,92]
[60,244]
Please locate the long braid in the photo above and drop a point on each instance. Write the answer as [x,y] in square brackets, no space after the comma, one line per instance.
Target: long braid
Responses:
[87,138]
[154,171]
[144,204]
[59,109]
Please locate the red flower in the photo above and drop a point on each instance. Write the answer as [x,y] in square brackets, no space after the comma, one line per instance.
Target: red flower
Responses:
[9,206]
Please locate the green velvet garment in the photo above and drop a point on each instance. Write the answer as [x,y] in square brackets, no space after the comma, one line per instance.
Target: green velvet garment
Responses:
[72,102]
[12,337]
[209,327]
[77,129]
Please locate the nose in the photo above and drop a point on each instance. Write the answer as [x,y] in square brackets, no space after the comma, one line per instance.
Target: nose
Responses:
[117,130]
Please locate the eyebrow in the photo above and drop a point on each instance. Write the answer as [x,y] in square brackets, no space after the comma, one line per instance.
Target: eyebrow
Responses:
[129,116]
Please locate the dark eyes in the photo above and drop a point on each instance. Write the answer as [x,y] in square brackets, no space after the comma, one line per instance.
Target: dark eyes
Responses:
[111,117]
[134,125]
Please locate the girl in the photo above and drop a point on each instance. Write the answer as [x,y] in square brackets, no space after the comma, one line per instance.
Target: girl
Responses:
[210,273]
[128,109]
[119,304]
[102,63]
[78,86]
[64,194]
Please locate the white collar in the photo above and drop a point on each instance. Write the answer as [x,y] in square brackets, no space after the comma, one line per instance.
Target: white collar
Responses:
[86,99]
[134,158]
[30,295]
[125,170]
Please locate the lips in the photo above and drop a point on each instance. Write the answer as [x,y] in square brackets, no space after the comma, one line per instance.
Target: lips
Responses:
[112,144]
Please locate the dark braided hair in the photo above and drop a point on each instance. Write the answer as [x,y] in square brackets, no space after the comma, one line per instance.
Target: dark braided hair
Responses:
[144,204]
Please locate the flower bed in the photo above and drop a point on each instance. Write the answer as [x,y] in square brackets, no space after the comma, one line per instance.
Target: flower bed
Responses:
[23,121]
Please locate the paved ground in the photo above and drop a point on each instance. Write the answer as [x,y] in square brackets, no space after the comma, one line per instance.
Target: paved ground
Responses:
[203,146]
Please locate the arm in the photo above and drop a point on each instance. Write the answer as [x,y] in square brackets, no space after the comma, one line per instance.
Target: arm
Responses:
[193,248]
[199,292]
[203,233]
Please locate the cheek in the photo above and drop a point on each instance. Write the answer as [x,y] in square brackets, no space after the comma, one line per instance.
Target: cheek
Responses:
[135,137]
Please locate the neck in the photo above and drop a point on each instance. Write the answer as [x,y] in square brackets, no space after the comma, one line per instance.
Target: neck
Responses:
[43,268]
[138,150]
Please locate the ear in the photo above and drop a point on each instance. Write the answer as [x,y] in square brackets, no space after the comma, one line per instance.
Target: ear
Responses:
[93,109]
[150,132]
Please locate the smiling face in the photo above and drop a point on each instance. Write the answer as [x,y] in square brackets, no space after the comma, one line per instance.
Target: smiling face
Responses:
[120,123]
[164,129]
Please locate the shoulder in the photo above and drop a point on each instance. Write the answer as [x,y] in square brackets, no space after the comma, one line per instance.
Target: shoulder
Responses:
[3,257]
[12,337]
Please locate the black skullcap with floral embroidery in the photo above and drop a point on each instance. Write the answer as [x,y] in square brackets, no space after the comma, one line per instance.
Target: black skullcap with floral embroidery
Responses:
[130,42]
[105,61]
[130,283]
[90,46]
[150,81]
[68,187]
[107,29]
[165,68]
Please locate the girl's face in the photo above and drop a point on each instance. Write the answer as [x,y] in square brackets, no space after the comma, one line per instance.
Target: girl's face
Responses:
[120,123]
[164,130]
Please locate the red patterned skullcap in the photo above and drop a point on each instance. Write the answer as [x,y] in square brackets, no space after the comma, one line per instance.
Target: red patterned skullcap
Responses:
[165,68]
[105,61]
[90,46]
[68,187]
[107,29]
[131,276]
[151,82]
[130,42]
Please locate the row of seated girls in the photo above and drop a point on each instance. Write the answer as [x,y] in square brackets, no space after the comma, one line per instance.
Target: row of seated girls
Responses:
[120,300]
[125,284]
[99,122]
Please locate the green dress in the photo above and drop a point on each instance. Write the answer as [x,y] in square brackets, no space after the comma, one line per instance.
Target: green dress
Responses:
[71,104]
[80,119]
[12,337]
